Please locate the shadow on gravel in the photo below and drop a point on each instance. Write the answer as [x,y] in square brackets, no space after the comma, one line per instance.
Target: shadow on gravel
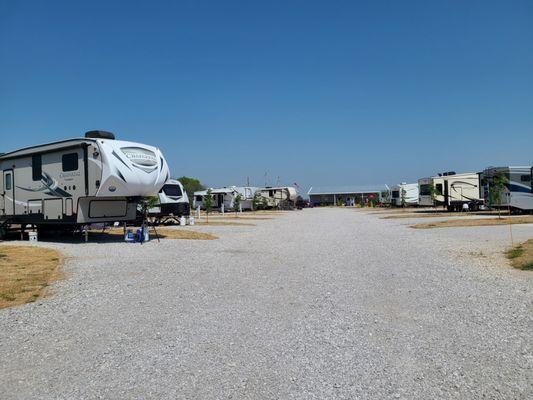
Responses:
[110,236]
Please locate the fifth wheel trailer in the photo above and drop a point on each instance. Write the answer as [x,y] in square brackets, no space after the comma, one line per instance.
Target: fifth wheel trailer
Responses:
[173,201]
[404,194]
[225,197]
[279,197]
[95,179]
[425,198]
[518,191]
[461,189]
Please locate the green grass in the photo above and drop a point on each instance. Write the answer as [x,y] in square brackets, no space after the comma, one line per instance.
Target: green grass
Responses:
[527,266]
[514,252]
[521,256]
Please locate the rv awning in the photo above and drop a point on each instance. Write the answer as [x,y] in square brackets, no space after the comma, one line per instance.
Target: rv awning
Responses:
[216,191]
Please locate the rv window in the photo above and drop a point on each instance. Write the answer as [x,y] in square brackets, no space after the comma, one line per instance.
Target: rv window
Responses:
[424,190]
[395,194]
[199,198]
[8,181]
[438,186]
[172,190]
[525,178]
[70,162]
[37,167]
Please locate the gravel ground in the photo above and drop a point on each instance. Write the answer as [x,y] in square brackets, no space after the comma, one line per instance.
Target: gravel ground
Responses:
[316,304]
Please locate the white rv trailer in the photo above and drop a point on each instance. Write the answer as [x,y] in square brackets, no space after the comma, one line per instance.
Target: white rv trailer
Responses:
[518,192]
[404,194]
[225,196]
[460,189]
[279,197]
[79,181]
[424,194]
[173,201]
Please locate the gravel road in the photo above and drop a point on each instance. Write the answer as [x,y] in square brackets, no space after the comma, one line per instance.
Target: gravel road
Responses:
[314,304]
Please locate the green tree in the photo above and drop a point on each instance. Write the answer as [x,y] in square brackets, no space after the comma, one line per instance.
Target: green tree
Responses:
[191,185]
[146,203]
[237,203]
[386,197]
[496,189]
[208,203]
[256,201]
[433,192]
[403,195]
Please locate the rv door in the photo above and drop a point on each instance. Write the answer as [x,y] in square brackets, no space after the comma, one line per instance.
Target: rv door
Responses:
[8,192]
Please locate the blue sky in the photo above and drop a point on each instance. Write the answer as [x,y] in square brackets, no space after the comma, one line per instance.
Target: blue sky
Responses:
[318,93]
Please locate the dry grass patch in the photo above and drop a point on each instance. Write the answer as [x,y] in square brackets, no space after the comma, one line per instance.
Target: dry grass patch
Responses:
[435,214]
[423,215]
[164,233]
[26,272]
[390,211]
[233,217]
[222,223]
[524,219]
[521,256]
[184,234]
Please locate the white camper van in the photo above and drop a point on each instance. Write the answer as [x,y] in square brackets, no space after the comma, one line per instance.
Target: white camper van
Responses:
[461,189]
[225,197]
[279,197]
[518,192]
[424,194]
[78,181]
[173,201]
[404,194]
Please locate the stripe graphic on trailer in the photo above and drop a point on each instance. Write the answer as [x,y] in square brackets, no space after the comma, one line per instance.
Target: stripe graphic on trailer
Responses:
[48,186]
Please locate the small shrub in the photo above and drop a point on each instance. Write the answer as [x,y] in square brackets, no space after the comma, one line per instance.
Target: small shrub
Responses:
[515,252]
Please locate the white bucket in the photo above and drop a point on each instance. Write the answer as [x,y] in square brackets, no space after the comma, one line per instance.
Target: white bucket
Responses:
[146,235]
[183,221]
[32,236]
[191,220]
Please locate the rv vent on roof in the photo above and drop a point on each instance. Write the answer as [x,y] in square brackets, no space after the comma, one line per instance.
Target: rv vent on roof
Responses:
[100,135]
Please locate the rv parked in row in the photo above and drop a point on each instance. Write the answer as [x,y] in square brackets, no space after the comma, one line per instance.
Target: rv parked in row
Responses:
[95,179]
[173,202]
[278,197]
[224,198]
[518,192]
[452,191]
[461,190]
[425,197]
[404,195]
